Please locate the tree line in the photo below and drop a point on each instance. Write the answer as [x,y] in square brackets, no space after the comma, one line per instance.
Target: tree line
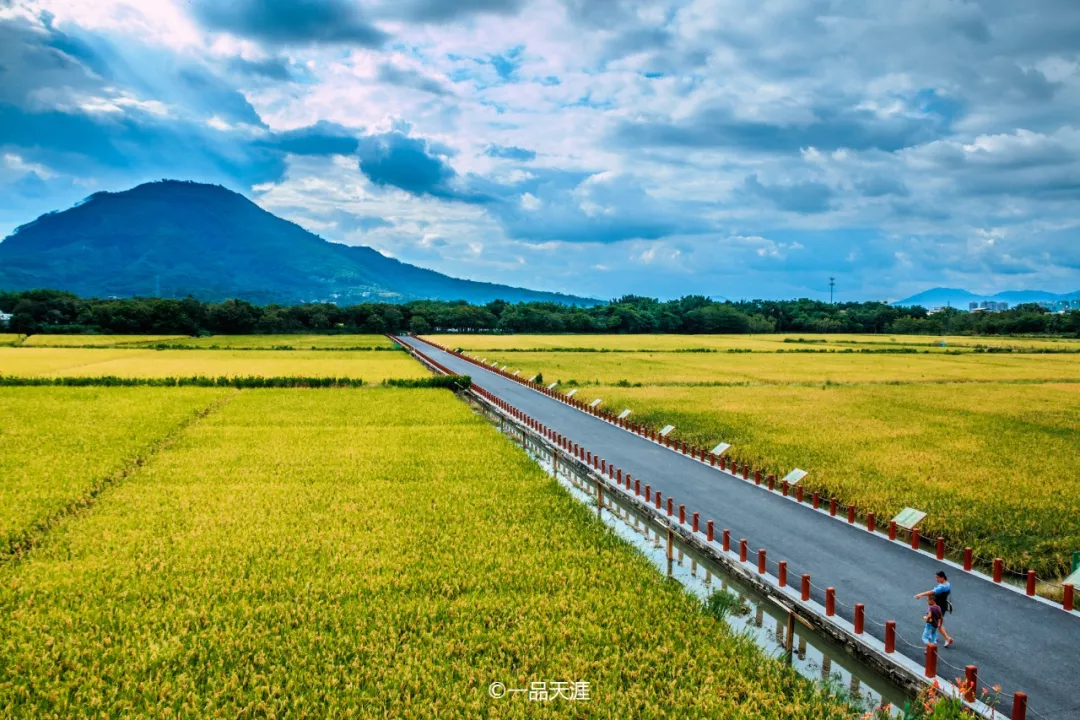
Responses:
[54,311]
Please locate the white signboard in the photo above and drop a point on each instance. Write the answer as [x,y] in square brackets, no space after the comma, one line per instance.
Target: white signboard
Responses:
[796,475]
[624,414]
[667,429]
[516,373]
[484,360]
[552,386]
[908,518]
[572,393]
[494,363]
[595,402]
[721,448]
[533,378]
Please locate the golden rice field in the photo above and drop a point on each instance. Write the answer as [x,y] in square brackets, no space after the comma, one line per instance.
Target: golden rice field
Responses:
[10,339]
[329,553]
[373,367]
[269,342]
[757,343]
[995,466]
[672,368]
[58,446]
[96,340]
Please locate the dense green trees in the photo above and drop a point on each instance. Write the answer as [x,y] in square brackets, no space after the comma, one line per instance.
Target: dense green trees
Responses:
[52,311]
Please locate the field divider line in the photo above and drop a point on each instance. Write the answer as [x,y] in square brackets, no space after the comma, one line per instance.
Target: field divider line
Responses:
[749,475]
[900,669]
[34,536]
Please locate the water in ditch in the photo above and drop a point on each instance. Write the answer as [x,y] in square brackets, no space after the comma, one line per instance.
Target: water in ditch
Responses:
[814,656]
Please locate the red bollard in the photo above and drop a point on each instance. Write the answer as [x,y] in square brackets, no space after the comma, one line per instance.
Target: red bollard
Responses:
[670,507]
[851,514]
[870,522]
[941,548]
[892,529]
[931,660]
[781,572]
[999,569]
[712,459]
[772,482]
[914,539]
[1031,583]
[817,500]
[1019,706]
[783,487]
[967,559]
[832,507]
[1068,602]
[761,561]
[860,616]
[709,531]
[805,587]
[799,493]
[659,499]
[830,601]
[694,521]
[757,477]
[618,474]
[723,463]
[603,466]
[637,488]
[682,514]
[971,681]
[742,550]
[890,636]
[727,540]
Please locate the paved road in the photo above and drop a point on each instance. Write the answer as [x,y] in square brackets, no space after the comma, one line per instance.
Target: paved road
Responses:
[1022,644]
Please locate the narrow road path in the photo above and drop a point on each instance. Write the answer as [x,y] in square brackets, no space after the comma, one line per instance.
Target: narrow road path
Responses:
[1017,642]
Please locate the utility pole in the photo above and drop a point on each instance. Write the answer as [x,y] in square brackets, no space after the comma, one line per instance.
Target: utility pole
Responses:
[832,284]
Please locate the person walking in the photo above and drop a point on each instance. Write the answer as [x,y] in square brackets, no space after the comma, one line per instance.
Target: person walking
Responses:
[932,618]
[940,594]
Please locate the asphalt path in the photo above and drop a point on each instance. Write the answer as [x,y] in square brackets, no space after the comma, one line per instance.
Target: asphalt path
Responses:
[1015,641]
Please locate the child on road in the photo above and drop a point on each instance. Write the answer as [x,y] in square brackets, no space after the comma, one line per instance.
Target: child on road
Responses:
[940,593]
[932,620]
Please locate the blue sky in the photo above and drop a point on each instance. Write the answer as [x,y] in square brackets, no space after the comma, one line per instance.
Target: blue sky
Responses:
[733,148]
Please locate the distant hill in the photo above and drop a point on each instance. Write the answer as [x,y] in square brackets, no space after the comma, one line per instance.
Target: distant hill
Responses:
[954,297]
[174,238]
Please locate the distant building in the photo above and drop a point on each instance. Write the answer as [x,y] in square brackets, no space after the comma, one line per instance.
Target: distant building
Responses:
[5,319]
[973,306]
[991,306]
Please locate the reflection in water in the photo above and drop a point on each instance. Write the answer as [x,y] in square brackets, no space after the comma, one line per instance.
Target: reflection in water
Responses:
[813,656]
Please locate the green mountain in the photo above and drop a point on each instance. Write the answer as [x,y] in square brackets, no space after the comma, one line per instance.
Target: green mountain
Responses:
[174,238]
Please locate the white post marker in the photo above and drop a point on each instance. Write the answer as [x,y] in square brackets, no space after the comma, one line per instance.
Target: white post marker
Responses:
[533,378]
[484,361]
[552,386]
[624,414]
[667,429]
[516,373]
[595,402]
[721,449]
[908,518]
[795,476]
[572,393]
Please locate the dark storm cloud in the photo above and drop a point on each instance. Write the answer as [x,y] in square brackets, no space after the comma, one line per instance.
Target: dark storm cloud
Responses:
[411,164]
[291,21]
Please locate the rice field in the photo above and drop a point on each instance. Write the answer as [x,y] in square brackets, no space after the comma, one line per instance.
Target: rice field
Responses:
[673,368]
[272,342]
[358,553]
[995,466]
[96,340]
[58,446]
[756,343]
[10,339]
[372,367]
